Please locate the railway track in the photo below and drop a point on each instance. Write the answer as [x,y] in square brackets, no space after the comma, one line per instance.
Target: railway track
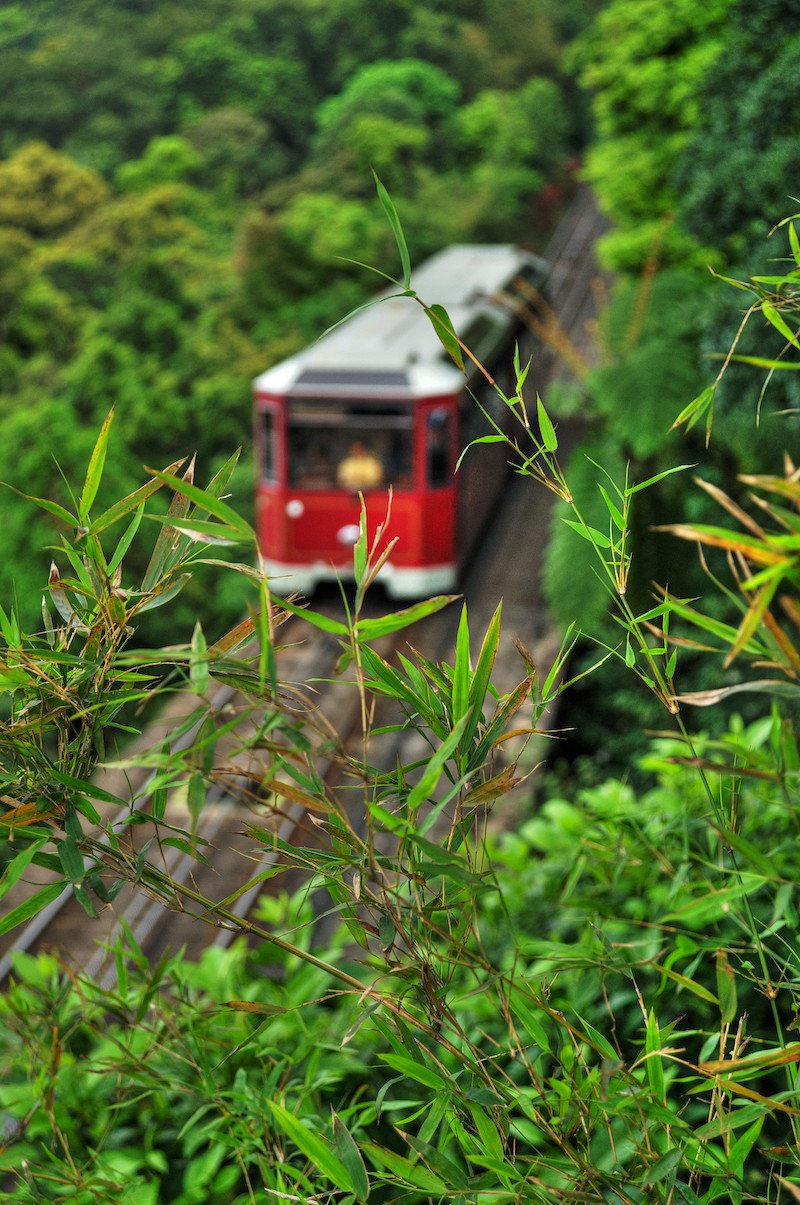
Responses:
[507,567]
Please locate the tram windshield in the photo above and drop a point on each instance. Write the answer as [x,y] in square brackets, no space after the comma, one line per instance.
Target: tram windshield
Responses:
[334,445]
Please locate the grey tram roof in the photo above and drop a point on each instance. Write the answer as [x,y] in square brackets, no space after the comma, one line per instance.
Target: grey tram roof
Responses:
[391,349]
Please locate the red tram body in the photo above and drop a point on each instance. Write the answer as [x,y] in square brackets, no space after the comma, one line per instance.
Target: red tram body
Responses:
[378,403]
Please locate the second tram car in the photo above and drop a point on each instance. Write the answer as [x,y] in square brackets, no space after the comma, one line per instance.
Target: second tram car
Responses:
[377,403]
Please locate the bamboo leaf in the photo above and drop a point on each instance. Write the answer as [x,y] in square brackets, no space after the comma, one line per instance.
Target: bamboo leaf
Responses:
[696,408]
[397,230]
[198,665]
[132,502]
[350,1156]
[599,538]
[613,510]
[313,1147]
[30,907]
[776,318]
[460,702]
[726,988]
[751,620]
[420,1072]
[95,470]
[406,1171]
[445,332]
[207,502]
[371,629]
[654,1065]
[18,864]
[546,428]
[433,770]
[71,860]
[643,485]
[53,508]
[691,985]
[482,439]
[323,622]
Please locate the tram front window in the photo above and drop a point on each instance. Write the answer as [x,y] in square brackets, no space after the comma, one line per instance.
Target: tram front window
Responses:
[335,446]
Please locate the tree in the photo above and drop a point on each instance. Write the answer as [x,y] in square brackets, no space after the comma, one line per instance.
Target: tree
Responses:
[646,63]
[743,159]
[409,102]
[43,193]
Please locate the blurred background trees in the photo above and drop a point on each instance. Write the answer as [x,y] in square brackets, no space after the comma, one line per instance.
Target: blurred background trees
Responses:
[180,188]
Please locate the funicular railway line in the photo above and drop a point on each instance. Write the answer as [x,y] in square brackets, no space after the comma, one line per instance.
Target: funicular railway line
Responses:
[506,566]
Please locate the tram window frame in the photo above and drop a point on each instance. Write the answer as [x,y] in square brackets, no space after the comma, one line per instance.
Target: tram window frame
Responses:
[269,446]
[320,435]
[439,469]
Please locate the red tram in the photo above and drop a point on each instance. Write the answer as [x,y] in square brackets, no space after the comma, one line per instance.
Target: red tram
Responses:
[377,403]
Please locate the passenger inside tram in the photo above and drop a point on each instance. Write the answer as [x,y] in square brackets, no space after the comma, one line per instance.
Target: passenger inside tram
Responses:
[360,469]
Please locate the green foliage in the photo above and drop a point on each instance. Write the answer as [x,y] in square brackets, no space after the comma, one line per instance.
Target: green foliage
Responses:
[743,158]
[43,193]
[647,64]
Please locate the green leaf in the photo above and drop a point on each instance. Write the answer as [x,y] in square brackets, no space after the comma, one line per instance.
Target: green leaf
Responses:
[599,538]
[744,1144]
[45,504]
[654,1065]
[360,547]
[125,505]
[164,595]
[763,362]
[71,860]
[313,1147]
[198,665]
[482,439]
[461,671]
[126,539]
[196,797]
[371,629]
[445,332]
[696,408]
[433,770]
[487,1130]
[406,1171]
[643,485]
[350,1156]
[207,502]
[775,317]
[397,230]
[548,431]
[30,907]
[726,988]
[416,1071]
[95,469]
[323,622]
[613,510]
[18,864]
[794,242]
[201,531]
[665,1166]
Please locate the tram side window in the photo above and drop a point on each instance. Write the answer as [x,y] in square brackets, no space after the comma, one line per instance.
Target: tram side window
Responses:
[268,459]
[438,445]
[358,447]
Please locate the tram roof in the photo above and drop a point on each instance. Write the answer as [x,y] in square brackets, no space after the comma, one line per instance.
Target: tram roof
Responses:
[391,348]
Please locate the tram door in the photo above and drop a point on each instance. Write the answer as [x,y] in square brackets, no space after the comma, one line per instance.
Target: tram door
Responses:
[439,439]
